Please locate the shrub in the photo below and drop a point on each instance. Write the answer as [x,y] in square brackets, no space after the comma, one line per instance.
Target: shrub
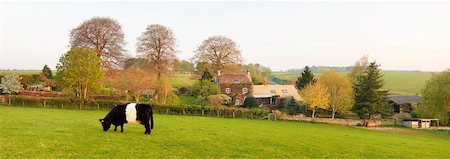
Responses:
[218,100]
[250,102]
[204,88]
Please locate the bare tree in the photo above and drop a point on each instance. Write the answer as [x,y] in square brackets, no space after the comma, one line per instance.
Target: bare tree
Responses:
[219,51]
[102,34]
[133,80]
[157,44]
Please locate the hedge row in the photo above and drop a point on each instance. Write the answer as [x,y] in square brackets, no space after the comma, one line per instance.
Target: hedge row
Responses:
[195,110]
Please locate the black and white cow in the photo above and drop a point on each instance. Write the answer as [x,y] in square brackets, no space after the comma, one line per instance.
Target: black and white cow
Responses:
[129,113]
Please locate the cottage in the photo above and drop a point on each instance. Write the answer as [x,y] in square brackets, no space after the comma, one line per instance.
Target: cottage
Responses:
[268,94]
[237,86]
[404,103]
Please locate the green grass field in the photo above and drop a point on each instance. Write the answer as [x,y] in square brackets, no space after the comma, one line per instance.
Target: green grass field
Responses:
[399,82]
[19,72]
[182,80]
[57,133]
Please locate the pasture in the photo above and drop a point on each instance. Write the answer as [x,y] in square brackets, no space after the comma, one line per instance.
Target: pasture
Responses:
[59,133]
[398,82]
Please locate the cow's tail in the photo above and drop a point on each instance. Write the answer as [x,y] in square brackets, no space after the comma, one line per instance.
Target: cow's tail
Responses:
[151,117]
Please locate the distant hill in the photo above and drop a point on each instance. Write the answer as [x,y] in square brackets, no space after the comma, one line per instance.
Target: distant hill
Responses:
[398,82]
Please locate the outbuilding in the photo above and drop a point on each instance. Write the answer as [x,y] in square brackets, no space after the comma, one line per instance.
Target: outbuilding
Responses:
[420,123]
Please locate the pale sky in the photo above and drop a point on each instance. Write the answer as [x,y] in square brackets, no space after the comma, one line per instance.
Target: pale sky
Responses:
[280,35]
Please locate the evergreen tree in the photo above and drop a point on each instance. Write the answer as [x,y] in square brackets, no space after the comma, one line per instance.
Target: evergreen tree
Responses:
[250,102]
[306,78]
[47,72]
[369,98]
[206,75]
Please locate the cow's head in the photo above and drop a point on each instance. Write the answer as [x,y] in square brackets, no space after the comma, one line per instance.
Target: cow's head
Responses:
[105,124]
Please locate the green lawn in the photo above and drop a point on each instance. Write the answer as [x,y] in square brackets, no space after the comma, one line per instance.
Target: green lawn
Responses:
[57,133]
[401,82]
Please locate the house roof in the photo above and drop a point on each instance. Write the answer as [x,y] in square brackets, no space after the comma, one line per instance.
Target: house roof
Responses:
[271,90]
[405,99]
[234,78]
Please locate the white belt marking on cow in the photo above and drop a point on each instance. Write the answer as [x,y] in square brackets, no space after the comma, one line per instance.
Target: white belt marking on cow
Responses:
[130,113]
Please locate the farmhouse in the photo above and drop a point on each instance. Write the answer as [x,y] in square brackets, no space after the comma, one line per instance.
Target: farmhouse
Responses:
[273,94]
[404,103]
[237,86]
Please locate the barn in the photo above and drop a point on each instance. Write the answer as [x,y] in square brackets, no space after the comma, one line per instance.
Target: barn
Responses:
[404,103]
[273,94]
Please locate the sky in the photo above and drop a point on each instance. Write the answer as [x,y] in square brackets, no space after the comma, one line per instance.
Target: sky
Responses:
[280,35]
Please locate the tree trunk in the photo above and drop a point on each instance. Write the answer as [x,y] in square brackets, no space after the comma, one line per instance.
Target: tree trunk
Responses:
[314,112]
[334,112]
[136,97]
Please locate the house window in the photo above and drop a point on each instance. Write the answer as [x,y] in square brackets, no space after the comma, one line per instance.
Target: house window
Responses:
[244,90]
[284,91]
[273,91]
[228,90]
[236,80]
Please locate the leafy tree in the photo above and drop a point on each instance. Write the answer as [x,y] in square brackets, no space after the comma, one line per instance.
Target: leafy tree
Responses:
[436,97]
[340,90]
[258,72]
[47,72]
[163,89]
[218,51]
[102,34]
[200,67]
[10,84]
[359,68]
[80,71]
[173,99]
[315,95]
[141,63]
[204,88]
[369,98]
[133,80]
[158,45]
[250,102]
[306,78]
[186,67]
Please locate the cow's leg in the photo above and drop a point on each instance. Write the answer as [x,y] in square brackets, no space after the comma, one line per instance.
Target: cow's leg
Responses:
[121,128]
[147,128]
[115,127]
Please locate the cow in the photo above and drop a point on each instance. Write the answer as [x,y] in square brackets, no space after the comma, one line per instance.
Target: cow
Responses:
[131,113]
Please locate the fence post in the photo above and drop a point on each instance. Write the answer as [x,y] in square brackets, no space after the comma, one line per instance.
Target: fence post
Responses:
[203,112]
[44,104]
[9,101]
[184,110]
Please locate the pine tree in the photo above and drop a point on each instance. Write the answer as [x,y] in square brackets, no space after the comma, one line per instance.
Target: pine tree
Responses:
[206,75]
[47,72]
[306,78]
[369,98]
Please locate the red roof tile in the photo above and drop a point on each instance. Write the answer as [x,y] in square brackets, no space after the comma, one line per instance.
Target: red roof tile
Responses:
[234,78]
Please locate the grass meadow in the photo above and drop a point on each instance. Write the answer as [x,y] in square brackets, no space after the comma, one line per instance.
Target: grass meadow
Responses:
[398,82]
[59,133]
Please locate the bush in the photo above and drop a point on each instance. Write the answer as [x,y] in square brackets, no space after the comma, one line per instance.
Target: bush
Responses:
[204,89]
[250,102]
[218,100]
[183,91]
